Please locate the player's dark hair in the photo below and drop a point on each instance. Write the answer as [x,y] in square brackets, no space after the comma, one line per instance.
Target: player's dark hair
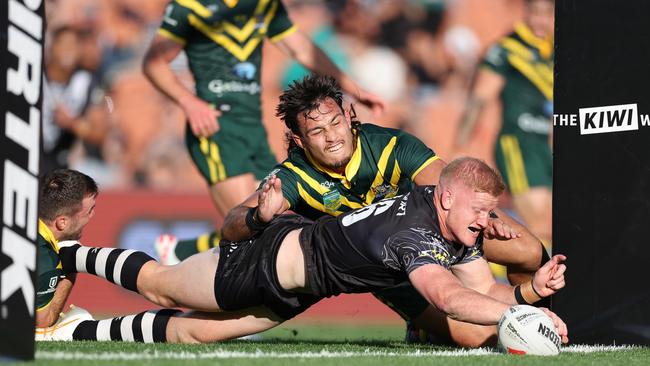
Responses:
[304,96]
[62,191]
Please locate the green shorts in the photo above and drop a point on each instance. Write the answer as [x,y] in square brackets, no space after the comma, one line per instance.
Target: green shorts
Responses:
[404,299]
[231,152]
[524,163]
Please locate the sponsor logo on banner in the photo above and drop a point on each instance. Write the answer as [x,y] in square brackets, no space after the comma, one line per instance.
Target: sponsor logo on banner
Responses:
[604,119]
[21,64]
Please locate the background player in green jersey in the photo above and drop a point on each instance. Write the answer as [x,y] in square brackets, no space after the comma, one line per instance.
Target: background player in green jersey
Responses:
[335,165]
[223,42]
[519,70]
[66,204]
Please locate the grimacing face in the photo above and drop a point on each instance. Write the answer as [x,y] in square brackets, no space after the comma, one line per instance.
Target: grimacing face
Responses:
[326,133]
[540,17]
[80,219]
[468,214]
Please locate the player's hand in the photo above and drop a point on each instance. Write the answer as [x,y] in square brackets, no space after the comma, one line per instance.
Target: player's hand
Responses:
[562,329]
[202,116]
[270,202]
[549,279]
[374,102]
[499,230]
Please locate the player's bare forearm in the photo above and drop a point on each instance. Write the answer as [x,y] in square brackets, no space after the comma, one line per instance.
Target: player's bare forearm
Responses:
[307,53]
[443,290]
[50,314]
[157,69]
[234,224]
[164,79]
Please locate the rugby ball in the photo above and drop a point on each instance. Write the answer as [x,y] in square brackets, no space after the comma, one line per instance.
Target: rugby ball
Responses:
[527,330]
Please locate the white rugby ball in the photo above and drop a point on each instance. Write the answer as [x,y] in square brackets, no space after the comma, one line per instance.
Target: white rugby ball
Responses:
[527,330]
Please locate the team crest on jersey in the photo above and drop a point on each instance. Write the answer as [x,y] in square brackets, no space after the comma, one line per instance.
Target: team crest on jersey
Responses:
[384,190]
[332,201]
[245,70]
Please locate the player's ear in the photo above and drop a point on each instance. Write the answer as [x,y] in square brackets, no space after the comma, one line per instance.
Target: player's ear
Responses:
[447,199]
[349,114]
[296,139]
[61,222]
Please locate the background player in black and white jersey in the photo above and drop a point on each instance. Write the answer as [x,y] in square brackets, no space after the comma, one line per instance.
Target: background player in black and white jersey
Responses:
[430,237]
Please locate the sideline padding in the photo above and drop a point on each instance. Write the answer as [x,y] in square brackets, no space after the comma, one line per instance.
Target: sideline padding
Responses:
[21,65]
[601,203]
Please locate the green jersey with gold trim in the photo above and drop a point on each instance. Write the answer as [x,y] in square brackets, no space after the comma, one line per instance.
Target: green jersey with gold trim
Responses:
[223,43]
[49,266]
[383,165]
[526,63]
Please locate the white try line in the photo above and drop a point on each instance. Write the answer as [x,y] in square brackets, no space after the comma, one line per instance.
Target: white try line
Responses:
[220,354]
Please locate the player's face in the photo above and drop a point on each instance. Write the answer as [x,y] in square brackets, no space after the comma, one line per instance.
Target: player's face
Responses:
[326,133]
[79,220]
[540,17]
[468,214]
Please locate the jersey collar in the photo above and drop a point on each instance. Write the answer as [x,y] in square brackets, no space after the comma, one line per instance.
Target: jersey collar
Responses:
[544,45]
[351,168]
[47,234]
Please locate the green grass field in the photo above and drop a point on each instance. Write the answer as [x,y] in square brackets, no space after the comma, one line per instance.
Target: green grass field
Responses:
[316,345]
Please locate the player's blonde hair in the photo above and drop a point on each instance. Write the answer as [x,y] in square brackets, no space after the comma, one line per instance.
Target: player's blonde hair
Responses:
[474,174]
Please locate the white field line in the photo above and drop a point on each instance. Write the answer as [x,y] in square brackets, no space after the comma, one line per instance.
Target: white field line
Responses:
[221,354]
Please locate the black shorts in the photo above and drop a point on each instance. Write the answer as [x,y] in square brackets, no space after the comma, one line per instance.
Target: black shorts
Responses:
[246,275]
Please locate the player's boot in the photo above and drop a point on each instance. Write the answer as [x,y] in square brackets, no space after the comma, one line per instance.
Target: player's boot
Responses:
[63,329]
[416,335]
[166,249]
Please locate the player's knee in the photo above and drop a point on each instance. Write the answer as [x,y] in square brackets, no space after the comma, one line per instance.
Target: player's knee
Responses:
[479,337]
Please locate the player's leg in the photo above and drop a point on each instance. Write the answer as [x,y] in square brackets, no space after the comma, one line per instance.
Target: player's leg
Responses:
[535,208]
[438,328]
[200,327]
[527,168]
[188,284]
[156,326]
[427,324]
[225,162]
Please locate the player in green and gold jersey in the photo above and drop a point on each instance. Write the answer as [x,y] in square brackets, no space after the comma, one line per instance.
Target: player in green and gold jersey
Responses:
[518,69]
[223,42]
[66,204]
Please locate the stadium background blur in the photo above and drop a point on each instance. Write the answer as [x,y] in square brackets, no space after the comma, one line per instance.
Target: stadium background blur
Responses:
[420,55]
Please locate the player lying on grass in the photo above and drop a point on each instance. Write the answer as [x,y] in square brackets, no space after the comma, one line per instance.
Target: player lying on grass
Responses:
[431,237]
[336,164]
[66,204]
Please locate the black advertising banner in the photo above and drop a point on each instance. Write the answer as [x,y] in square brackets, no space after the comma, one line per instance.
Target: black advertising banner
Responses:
[21,43]
[601,192]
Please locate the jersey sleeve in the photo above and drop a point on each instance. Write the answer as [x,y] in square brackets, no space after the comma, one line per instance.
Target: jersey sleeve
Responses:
[412,154]
[175,24]
[414,248]
[496,59]
[289,189]
[48,276]
[473,253]
[280,26]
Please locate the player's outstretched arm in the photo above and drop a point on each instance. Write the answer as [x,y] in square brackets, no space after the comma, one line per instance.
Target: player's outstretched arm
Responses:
[446,292]
[252,215]
[303,50]
[201,116]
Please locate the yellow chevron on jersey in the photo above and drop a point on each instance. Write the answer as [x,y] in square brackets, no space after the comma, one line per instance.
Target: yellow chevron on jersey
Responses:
[240,42]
